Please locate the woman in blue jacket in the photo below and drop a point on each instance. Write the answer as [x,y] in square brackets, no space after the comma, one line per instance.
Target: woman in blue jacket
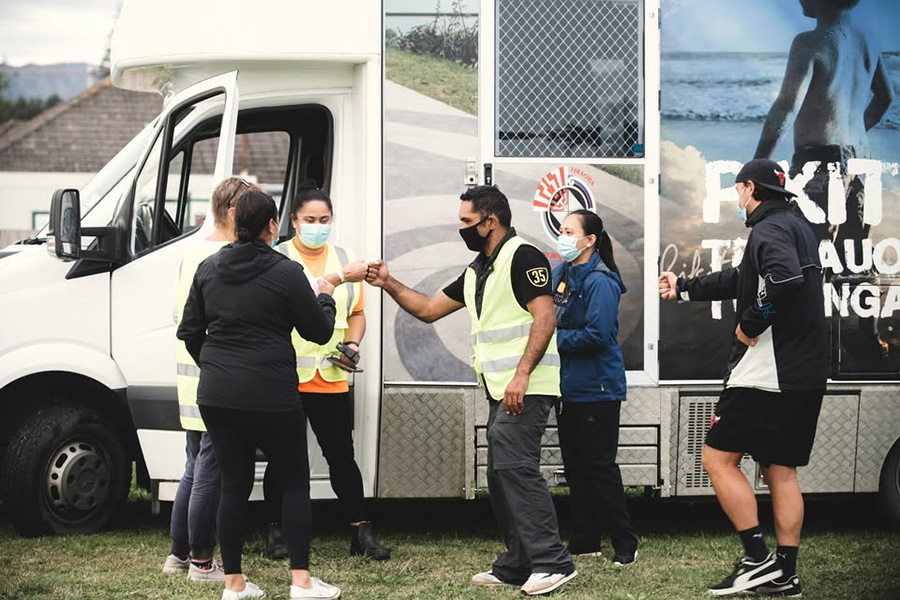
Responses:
[592,380]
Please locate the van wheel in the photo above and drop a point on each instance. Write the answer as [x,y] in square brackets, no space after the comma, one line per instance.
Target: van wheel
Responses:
[889,488]
[65,472]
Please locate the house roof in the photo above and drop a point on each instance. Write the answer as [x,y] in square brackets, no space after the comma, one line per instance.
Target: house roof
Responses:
[82,134]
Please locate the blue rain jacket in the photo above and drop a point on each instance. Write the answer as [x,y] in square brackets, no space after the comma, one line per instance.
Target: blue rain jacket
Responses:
[593,368]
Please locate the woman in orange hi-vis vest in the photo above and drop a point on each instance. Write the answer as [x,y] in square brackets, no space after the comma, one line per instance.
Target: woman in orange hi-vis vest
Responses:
[324,387]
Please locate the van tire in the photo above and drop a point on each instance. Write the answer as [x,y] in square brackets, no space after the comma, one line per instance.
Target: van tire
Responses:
[65,472]
[889,486]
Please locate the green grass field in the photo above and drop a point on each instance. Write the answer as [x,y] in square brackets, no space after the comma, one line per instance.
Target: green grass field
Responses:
[436,78]
[438,545]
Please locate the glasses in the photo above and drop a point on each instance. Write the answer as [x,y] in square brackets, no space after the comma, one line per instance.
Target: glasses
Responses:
[237,193]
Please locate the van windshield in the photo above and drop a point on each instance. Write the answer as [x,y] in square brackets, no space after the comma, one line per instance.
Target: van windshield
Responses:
[107,179]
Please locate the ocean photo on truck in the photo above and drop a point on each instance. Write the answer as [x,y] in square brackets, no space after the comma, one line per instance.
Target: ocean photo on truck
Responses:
[720,79]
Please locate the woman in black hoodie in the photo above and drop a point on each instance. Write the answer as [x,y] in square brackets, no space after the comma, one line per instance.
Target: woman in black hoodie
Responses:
[244,302]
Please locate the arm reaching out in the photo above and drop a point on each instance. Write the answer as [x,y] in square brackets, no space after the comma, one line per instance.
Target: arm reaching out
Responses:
[425,308]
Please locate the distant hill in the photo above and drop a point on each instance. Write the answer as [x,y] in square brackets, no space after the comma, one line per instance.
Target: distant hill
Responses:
[42,81]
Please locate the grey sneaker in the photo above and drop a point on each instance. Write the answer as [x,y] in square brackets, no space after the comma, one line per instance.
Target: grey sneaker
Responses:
[175,565]
[544,583]
[214,574]
[488,578]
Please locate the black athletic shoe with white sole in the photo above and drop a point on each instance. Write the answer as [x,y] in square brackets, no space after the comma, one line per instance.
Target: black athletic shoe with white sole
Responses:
[788,587]
[748,574]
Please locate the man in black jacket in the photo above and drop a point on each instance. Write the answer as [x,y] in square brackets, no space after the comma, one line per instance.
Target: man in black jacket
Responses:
[776,375]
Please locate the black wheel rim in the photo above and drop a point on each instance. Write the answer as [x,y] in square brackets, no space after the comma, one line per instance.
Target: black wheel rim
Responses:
[77,480]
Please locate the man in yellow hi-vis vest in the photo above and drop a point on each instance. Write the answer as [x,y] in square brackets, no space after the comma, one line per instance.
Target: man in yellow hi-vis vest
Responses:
[193,529]
[508,294]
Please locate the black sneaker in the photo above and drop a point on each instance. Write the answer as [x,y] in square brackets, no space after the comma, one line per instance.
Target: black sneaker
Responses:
[789,587]
[624,559]
[276,548]
[748,574]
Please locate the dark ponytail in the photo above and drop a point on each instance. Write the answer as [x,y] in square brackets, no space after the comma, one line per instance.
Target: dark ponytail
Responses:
[252,213]
[308,192]
[592,224]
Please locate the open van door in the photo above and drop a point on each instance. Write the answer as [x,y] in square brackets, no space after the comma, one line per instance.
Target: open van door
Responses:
[158,218]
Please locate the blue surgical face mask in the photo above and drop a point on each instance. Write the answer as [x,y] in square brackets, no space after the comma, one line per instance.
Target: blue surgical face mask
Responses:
[567,246]
[742,210]
[314,235]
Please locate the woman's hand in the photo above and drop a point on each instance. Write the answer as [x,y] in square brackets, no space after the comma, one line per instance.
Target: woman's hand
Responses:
[325,287]
[355,271]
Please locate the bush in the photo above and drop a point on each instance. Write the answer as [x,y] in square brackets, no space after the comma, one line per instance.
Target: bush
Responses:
[446,37]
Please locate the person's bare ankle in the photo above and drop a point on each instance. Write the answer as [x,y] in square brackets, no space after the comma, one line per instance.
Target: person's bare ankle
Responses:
[235,583]
[300,578]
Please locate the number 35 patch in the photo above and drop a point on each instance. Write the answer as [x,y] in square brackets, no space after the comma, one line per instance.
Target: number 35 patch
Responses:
[539,276]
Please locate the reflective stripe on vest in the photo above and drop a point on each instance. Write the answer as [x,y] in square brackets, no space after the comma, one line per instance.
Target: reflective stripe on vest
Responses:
[500,333]
[312,357]
[190,370]
[190,412]
[187,373]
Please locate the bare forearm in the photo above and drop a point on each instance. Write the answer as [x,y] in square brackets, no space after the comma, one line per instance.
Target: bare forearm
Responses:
[540,336]
[413,302]
[356,327]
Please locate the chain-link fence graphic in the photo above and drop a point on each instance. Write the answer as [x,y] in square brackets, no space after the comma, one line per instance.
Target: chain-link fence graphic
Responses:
[569,78]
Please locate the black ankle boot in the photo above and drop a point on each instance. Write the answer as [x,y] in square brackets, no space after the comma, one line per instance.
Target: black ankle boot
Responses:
[362,542]
[276,549]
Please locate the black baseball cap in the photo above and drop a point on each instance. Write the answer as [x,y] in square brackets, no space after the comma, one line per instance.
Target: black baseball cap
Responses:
[766,173]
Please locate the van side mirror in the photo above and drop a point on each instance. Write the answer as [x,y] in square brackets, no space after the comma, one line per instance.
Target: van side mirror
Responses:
[64,232]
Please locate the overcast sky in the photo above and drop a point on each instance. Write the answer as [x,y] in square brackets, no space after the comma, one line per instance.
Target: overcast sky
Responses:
[53,31]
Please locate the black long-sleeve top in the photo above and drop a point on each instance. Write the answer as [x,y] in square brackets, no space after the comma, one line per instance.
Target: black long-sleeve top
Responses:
[244,302]
[778,288]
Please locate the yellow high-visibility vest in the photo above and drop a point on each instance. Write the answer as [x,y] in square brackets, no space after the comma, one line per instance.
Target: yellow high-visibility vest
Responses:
[500,333]
[188,373]
[310,356]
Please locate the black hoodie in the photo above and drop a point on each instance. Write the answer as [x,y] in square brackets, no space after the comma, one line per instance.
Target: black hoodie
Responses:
[243,304]
[778,287]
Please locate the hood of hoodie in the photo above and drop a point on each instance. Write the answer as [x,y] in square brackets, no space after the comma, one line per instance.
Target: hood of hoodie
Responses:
[242,261]
[578,273]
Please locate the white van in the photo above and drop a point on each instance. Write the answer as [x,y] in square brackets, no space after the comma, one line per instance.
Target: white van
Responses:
[87,344]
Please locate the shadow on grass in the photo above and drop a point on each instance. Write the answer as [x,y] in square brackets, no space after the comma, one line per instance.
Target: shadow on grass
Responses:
[650,516]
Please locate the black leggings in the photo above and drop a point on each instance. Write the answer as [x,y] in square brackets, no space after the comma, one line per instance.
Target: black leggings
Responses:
[331,419]
[282,436]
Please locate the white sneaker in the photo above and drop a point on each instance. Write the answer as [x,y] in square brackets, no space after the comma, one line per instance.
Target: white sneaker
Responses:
[488,578]
[251,590]
[175,565]
[318,590]
[544,583]
[214,574]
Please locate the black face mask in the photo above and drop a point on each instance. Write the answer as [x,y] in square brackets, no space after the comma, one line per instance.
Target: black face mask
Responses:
[474,241]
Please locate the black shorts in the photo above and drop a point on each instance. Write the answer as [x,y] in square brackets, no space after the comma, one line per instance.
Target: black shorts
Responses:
[776,428]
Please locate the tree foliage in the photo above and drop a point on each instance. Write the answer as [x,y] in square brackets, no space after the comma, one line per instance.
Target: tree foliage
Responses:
[22,108]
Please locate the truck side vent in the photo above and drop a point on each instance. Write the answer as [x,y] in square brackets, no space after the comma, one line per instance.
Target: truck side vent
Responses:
[700,415]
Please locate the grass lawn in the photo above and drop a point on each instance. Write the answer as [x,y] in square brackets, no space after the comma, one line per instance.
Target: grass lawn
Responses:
[434,77]
[438,545]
